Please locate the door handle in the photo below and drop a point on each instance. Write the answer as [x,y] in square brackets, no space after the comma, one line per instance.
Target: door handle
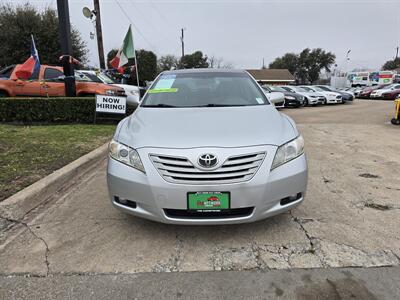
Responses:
[20,84]
[45,86]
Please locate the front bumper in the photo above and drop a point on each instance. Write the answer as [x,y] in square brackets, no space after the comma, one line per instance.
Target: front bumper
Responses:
[153,197]
[314,101]
[294,102]
[333,99]
[389,96]
[375,96]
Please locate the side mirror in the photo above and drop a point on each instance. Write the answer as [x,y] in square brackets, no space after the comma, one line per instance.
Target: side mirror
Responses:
[132,100]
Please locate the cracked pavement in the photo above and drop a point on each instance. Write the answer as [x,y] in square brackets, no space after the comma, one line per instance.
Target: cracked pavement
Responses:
[350,216]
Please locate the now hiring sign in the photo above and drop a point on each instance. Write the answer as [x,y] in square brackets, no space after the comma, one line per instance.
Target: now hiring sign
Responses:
[110,104]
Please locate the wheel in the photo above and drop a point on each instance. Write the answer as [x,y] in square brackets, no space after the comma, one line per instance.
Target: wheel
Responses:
[3,94]
[306,103]
[395,121]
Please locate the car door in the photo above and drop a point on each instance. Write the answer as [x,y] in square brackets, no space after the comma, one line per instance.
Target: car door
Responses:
[52,84]
[30,87]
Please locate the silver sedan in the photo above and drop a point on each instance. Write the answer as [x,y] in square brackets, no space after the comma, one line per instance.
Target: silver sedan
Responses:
[206,147]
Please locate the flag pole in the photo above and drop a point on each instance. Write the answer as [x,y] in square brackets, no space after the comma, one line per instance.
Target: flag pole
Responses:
[137,73]
[136,65]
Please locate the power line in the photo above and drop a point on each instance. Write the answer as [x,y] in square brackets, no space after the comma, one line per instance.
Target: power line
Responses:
[160,33]
[136,28]
[159,13]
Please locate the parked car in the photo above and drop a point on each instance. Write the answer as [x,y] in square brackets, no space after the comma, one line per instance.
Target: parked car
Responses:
[291,99]
[49,81]
[366,92]
[311,98]
[132,92]
[330,97]
[202,134]
[279,96]
[377,94]
[346,96]
[394,94]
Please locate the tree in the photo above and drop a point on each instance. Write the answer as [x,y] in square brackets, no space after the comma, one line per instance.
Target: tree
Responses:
[147,66]
[287,61]
[19,22]
[307,65]
[194,61]
[167,62]
[392,64]
[218,63]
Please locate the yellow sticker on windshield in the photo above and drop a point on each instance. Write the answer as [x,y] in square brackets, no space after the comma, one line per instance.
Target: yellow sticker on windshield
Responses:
[156,91]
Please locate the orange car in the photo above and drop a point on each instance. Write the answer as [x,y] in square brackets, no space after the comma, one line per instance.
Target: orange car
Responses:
[49,82]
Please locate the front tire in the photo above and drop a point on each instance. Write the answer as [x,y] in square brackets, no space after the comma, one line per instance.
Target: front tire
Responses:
[3,94]
[395,121]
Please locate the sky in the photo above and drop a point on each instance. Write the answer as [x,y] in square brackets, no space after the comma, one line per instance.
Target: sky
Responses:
[244,33]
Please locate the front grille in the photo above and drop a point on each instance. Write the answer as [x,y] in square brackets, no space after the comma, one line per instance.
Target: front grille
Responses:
[223,214]
[235,169]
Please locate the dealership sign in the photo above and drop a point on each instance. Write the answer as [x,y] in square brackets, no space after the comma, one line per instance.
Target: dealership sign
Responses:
[110,104]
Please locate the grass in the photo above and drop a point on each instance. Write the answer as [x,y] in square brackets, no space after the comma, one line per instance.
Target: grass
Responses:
[28,153]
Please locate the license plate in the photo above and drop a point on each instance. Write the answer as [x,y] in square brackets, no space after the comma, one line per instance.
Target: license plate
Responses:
[208,201]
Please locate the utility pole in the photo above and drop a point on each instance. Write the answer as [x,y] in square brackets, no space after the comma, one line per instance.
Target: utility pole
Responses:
[183,43]
[397,52]
[66,47]
[99,34]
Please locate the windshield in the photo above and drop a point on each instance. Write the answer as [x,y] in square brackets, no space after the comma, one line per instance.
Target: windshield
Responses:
[295,89]
[300,89]
[103,77]
[318,89]
[277,88]
[307,89]
[90,77]
[324,88]
[199,89]
[287,89]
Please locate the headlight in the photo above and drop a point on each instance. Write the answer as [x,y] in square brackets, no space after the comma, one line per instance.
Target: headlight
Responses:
[288,151]
[134,92]
[125,155]
[111,92]
[289,98]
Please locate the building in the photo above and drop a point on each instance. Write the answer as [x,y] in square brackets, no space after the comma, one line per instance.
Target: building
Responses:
[273,76]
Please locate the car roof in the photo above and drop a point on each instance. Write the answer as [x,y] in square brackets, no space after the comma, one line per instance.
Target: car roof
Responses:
[204,70]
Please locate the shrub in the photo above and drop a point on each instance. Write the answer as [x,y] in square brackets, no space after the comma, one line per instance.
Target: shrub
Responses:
[50,110]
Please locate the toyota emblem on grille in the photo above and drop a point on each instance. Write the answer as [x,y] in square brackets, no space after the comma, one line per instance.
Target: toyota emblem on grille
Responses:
[207,160]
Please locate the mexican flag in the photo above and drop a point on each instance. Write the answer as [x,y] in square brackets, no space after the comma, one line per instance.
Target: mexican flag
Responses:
[125,52]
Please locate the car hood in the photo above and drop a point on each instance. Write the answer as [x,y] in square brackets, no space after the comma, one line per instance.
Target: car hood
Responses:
[381,91]
[206,127]
[329,92]
[296,95]
[127,87]
[309,94]
[392,91]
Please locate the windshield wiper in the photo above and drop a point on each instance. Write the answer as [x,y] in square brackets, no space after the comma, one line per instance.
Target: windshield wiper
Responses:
[159,105]
[218,105]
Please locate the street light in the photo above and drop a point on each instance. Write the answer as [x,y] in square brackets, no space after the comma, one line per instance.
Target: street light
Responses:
[88,13]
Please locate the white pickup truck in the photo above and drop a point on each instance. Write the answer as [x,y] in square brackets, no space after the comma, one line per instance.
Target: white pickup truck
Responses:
[132,92]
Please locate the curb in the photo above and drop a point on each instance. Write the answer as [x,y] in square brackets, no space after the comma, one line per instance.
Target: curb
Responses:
[19,204]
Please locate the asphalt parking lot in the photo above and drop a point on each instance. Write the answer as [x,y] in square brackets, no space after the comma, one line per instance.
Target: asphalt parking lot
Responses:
[350,217]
